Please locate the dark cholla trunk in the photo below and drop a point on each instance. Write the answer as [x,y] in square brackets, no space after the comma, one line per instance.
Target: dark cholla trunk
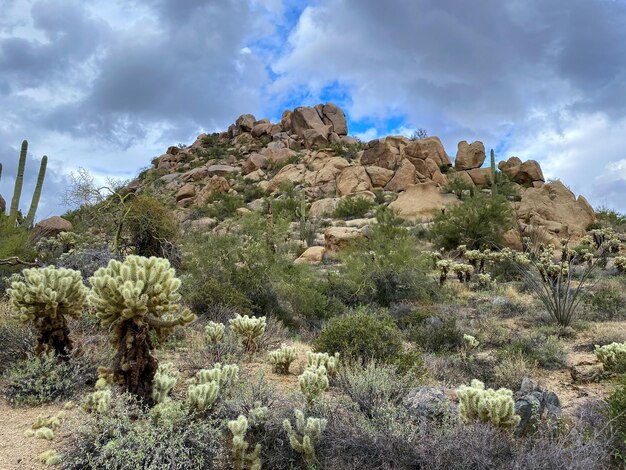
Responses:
[55,338]
[135,351]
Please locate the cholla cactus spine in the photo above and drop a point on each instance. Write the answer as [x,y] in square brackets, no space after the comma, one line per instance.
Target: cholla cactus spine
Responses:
[487,405]
[249,329]
[306,435]
[214,332]
[45,297]
[323,359]
[313,382]
[282,358]
[202,396]
[242,459]
[165,380]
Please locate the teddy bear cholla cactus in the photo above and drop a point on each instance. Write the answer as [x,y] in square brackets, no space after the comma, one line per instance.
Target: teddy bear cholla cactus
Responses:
[134,298]
[282,358]
[313,382]
[249,329]
[241,458]
[487,405]
[323,359]
[612,356]
[46,297]
[214,332]
[304,438]
[165,380]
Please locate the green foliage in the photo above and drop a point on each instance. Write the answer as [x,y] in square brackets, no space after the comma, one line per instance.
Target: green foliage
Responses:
[249,329]
[617,408]
[132,299]
[460,187]
[487,405]
[606,217]
[241,458]
[347,150]
[281,359]
[547,351]
[434,332]
[305,436]
[607,302]
[223,205]
[131,437]
[98,401]
[362,335]
[476,222]
[44,379]
[151,226]
[313,382]
[383,269]
[352,207]
[30,217]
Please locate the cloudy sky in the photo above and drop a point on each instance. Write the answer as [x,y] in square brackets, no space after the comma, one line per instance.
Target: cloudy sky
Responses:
[109,84]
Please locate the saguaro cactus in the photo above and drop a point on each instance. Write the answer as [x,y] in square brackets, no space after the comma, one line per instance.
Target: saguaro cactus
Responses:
[30,217]
[494,183]
[45,298]
[19,181]
[134,298]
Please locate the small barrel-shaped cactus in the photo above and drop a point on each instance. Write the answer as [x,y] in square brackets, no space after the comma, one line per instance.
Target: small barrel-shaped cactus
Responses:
[99,401]
[281,359]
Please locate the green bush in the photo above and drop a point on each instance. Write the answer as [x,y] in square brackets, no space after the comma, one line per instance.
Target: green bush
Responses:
[547,351]
[352,207]
[434,332]
[477,222]
[151,227]
[17,340]
[617,408]
[347,150]
[44,379]
[606,303]
[223,205]
[362,335]
[383,269]
[129,437]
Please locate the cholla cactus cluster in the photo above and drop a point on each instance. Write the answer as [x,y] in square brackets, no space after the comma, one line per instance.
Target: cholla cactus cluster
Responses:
[99,401]
[242,459]
[214,332]
[223,376]
[313,382]
[281,359]
[249,329]
[471,343]
[201,397]
[134,298]
[604,239]
[165,380]
[620,263]
[204,389]
[612,356]
[305,436]
[316,360]
[45,298]
[487,405]
[50,457]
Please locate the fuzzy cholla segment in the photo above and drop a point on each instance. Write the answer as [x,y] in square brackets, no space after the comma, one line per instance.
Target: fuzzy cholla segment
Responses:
[304,438]
[487,405]
[249,329]
[141,289]
[48,293]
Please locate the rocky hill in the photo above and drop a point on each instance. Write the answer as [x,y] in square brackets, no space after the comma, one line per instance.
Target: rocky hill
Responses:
[310,149]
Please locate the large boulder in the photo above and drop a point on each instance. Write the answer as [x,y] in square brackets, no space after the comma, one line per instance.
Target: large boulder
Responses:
[291,173]
[338,238]
[469,156]
[421,201]
[222,170]
[323,207]
[524,173]
[333,116]
[380,176]
[430,147]
[215,185]
[307,123]
[480,176]
[385,153]
[403,178]
[353,179]
[312,255]
[186,191]
[432,403]
[554,208]
[535,405]
[51,227]
[245,122]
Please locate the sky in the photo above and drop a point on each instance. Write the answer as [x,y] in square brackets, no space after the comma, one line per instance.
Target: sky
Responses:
[107,85]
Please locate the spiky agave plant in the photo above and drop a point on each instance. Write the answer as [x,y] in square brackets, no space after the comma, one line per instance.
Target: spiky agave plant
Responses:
[133,299]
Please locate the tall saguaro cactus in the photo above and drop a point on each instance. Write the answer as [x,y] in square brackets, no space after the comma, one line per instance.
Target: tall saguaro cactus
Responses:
[30,218]
[19,180]
[494,183]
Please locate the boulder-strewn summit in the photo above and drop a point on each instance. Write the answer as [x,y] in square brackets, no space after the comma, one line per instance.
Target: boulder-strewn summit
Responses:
[310,148]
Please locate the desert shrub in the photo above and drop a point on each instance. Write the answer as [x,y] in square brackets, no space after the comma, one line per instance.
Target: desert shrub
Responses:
[151,227]
[223,205]
[352,207]
[13,242]
[511,370]
[44,379]
[375,385]
[17,340]
[361,335]
[87,260]
[347,150]
[606,303]
[435,333]
[477,222]
[460,187]
[489,330]
[383,269]
[616,410]
[606,333]
[548,352]
[129,437]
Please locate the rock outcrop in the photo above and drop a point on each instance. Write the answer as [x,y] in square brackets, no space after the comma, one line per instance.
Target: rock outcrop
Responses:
[51,227]
[469,156]
[525,173]
[421,201]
